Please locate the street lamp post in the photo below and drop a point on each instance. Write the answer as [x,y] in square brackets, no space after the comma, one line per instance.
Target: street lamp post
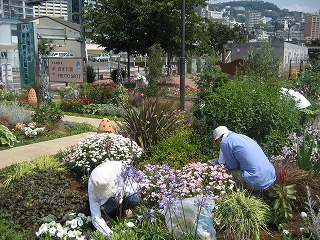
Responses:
[182,57]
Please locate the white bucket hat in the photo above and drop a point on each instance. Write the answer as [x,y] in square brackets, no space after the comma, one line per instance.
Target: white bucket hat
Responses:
[219,131]
[104,179]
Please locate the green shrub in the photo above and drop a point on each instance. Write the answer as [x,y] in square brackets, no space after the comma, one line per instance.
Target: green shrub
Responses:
[242,216]
[7,95]
[49,113]
[91,74]
[250,108]
[211,76]
[97,93]
[72,105]
[114,75]
[111,110]
[179,149]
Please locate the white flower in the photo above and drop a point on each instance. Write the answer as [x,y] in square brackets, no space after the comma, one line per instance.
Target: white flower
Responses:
[130,224]
[206,234]
[286,232]
[303,215]
[52,231]
[74,223]
[302,229]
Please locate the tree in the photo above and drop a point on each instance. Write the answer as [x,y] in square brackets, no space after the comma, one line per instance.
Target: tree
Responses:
[45,47]
[220,34]
[136,25]
[261,66]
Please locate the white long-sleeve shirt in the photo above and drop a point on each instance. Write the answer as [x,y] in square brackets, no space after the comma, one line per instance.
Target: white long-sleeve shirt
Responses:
[96,202]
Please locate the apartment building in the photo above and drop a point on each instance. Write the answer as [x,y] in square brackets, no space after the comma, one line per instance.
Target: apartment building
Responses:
[252,18]
[15,9]
[312,27]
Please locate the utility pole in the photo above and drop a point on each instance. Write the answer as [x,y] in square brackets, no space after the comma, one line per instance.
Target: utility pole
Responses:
[182,57]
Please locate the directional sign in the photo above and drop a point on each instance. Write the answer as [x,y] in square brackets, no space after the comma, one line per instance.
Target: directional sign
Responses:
[26,40]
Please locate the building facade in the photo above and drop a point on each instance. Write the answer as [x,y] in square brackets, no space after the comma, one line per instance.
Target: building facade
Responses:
[290,55]
[312,27]
[17,9]
[252,18]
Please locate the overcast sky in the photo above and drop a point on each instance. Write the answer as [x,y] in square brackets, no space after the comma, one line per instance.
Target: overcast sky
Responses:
[306,6]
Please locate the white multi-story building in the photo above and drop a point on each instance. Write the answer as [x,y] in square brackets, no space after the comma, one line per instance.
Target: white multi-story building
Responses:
[15,9]
[56,9]
[252,18]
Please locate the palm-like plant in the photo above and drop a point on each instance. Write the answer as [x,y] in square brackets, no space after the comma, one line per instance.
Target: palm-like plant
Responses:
[149,123]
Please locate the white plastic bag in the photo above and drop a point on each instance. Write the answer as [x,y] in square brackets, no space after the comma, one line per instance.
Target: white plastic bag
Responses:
[187,219]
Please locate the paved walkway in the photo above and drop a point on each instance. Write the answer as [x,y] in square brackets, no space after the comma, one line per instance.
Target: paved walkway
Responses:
[32,151]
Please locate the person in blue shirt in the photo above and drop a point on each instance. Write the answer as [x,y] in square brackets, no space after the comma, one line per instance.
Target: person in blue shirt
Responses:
[245,159]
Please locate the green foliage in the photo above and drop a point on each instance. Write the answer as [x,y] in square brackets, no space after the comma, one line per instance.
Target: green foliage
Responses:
[44,47]
[42,163]
[8,95]
[7,137]
[153,71]
[28,199]
[72,105]
[163,28]
[220,34]
[121,97]
[179,149]
[114,75]
[7,230]
[251,108]
[281,194]
[211,75]
[308,81]
[243,216]
[111,110]
[261,66]
[97,93]
[81,128]
[148,124]
[91,74]
[152,226]
[304,154]
[47,113]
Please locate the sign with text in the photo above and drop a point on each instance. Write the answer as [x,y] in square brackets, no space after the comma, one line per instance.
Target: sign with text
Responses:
[66,70]
[6,72]
[27,52]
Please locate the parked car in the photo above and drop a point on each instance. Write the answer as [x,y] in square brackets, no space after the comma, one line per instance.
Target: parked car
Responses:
[68,55]
[101,58]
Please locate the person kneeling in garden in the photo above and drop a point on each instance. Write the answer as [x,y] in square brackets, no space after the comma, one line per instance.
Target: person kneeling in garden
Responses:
[112,193]
[245,159]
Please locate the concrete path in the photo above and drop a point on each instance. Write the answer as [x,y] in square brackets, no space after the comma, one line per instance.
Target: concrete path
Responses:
[32,151]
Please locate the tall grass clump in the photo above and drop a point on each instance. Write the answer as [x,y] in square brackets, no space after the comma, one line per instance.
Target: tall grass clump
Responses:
[241,216]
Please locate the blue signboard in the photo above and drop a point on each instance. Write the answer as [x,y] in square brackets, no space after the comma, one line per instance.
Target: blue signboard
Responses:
[26,40]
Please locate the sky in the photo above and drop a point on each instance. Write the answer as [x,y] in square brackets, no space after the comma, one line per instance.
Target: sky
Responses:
[306,6]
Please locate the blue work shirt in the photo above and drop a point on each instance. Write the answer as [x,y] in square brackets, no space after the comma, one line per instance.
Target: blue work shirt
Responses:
[243,153]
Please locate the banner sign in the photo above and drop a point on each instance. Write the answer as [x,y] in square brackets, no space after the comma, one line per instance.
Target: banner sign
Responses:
[66,70]
[26,41]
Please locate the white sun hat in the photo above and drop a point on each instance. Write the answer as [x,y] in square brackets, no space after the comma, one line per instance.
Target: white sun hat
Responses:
[219,131]
[105,179]
[301,101]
